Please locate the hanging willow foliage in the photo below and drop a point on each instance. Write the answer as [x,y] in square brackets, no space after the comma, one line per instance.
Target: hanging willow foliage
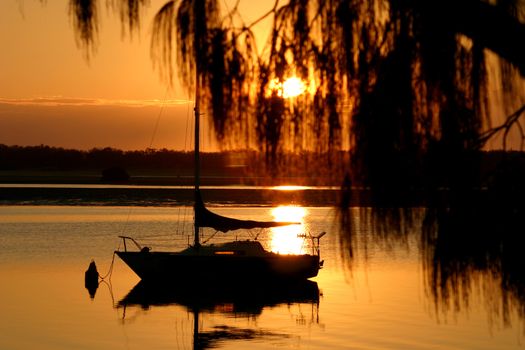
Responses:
[393,81]
[84,15]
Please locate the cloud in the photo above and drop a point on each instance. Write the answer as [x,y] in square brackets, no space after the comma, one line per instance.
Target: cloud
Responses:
[86,123]
[56,101]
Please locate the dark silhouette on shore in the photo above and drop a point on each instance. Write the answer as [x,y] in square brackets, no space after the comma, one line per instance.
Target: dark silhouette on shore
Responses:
[474,170]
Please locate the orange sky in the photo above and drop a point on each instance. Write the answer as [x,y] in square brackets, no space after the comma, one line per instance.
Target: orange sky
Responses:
[50,94]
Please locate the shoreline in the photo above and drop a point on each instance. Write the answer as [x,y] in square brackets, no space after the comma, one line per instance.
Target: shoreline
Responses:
[163,196]
[128,195]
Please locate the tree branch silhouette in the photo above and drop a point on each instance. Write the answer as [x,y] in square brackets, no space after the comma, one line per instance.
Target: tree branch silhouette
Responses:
[387,79]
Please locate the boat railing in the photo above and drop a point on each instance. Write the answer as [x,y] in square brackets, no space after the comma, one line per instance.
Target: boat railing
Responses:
[125,238]
[315,241]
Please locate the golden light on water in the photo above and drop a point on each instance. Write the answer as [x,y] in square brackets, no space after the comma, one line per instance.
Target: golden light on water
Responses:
[285,239]
[289,188]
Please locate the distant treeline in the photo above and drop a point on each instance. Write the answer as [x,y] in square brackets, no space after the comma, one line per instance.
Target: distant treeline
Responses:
[250,166]
[54,158]
[475,169]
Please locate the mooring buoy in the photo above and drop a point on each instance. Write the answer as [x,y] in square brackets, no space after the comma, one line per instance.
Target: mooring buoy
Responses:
[91,279]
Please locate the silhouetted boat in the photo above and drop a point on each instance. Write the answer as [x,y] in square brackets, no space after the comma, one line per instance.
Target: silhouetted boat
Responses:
[227,261]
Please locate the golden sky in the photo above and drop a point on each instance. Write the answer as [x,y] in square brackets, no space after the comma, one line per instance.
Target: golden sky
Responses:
[50,94]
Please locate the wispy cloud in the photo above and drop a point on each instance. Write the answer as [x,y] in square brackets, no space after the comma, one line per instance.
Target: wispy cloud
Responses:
[54,101]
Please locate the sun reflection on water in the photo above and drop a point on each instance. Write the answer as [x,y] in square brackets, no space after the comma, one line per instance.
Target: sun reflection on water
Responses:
[285,239]
[290,188]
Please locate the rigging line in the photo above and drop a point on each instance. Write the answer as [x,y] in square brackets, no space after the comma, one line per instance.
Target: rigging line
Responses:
[192,126]
[213,235]
[126,223]
[180,226]
[201,135]
[110,272]
[188,112]
[177,228]
[110,288]
[187,122]
[110,268]
[157,122]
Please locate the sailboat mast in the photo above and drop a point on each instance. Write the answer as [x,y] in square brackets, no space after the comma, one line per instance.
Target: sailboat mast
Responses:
[197,146]
[197,162]
[198,8]
[197,155]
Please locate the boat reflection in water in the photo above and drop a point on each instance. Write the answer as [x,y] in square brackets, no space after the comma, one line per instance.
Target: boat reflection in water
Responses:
[235,299]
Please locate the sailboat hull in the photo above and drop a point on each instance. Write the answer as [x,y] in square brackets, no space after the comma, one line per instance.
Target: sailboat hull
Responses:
[170,267]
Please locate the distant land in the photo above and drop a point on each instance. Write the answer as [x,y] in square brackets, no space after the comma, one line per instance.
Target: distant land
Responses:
[51,165]
[43,175]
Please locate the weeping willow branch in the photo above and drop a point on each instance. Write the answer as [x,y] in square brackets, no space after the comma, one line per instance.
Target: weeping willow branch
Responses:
[84,15]
[511,121]
[130,13]
[386,79]
[163,33]
[267,14]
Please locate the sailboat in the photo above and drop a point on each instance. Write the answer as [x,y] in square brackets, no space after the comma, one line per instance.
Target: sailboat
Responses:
[236,260]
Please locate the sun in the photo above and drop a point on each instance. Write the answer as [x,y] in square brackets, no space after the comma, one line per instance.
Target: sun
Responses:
[291,87]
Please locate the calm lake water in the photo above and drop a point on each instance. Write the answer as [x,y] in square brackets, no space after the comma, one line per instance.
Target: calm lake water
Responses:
[383,296]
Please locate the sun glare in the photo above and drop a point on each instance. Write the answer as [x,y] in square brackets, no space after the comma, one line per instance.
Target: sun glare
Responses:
[291,87]
[285,239]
